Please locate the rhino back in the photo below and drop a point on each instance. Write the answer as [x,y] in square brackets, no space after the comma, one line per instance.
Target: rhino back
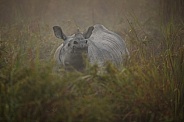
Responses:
[105,45]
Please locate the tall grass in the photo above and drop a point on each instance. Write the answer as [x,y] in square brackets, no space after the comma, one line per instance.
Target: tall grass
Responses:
[148,88]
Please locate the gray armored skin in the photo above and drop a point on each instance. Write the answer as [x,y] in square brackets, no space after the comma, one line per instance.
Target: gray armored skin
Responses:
[98,44]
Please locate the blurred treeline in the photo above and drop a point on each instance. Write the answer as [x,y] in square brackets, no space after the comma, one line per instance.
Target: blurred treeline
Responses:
[80,13]
[172,10]
[25,9]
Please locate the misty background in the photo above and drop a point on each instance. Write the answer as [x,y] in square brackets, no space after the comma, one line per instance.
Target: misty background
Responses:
[79,14]
[136,21]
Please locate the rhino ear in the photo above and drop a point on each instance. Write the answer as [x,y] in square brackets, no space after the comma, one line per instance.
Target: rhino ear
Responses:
[59,33]
[88,33]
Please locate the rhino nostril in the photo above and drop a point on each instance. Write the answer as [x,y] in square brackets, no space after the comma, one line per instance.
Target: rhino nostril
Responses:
[86,41]
[69,44]
[75,42]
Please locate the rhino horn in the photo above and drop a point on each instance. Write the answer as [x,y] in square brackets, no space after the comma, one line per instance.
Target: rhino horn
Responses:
[88,33]
[59,33]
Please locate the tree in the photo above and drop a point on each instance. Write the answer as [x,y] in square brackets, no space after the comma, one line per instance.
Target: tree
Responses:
[172,10]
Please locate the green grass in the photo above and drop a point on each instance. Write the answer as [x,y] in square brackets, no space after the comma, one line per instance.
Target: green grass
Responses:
[150,87]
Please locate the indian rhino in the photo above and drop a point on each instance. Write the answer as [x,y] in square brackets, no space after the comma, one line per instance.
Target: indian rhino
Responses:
[98,44]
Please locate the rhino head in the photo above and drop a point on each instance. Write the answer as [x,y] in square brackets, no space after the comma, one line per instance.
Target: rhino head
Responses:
[74,48]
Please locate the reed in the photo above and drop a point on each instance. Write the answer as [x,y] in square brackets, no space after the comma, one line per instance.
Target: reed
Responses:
[150,87]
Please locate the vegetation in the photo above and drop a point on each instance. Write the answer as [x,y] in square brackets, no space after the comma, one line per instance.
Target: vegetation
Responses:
[149,87]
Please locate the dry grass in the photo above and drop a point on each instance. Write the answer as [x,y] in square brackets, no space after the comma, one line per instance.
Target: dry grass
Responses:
[146,89]
[150,87]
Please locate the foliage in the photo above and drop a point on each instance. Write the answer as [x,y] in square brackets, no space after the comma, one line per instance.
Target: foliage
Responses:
[150,87]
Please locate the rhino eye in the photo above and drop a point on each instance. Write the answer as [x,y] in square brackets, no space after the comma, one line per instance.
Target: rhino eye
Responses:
[69,44]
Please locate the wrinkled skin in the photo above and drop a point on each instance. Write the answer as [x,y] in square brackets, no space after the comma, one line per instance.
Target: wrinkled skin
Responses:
[106,46]
[72,52]
[98,44]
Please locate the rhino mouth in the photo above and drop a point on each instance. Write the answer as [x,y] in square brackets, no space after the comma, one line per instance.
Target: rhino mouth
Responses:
[77,58]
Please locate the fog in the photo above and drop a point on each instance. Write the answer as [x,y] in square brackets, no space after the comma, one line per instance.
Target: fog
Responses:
[79,14]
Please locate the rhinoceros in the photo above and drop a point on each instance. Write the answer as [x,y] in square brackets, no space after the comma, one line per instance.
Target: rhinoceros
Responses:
[99,44]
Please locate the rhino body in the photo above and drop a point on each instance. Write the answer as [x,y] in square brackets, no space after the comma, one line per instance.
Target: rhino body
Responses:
[98,44]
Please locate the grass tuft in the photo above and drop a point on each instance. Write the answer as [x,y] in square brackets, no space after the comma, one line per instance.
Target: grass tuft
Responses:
[150,87]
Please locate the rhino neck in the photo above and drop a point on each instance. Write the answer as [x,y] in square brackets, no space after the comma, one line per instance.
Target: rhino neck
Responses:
[76,61]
